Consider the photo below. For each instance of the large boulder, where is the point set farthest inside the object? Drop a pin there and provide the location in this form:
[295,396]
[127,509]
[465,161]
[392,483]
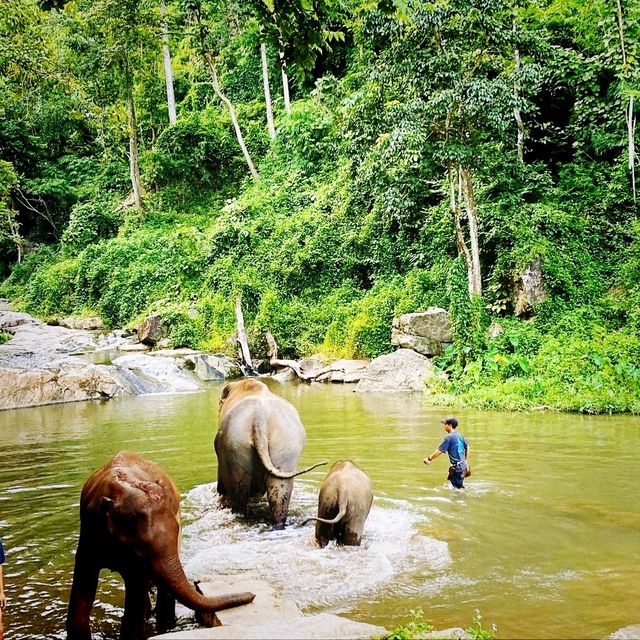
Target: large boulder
[37,339]
[214,366]
[342,371]
[149,374]
[64,380]
[402,370]
[426,332]
[152,330]
[529,290]
[11,320]
[86,324]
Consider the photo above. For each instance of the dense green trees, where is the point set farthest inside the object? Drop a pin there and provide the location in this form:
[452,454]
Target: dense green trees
[402,154]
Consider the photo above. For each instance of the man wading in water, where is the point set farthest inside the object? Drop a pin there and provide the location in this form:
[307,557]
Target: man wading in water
[458,449]
[3,600]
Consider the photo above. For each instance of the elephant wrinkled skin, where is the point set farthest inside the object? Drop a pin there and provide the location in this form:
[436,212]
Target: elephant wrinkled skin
[343,505]
[130,523]
[258,444]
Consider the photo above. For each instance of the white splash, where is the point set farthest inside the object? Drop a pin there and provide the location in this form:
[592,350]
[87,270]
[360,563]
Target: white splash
[215,541]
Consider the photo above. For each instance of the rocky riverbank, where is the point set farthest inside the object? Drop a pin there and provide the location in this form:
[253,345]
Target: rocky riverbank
[79,360]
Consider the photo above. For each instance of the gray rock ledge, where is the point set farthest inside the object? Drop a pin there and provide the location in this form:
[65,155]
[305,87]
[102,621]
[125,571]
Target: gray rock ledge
[269,616]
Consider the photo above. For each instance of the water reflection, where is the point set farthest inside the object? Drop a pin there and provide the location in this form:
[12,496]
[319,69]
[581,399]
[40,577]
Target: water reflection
[540,541]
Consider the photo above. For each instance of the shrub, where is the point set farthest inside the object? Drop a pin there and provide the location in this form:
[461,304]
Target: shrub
[52,288]
[90,222]
[199,149]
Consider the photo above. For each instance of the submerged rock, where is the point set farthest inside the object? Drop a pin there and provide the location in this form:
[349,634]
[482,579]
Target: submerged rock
[268,616]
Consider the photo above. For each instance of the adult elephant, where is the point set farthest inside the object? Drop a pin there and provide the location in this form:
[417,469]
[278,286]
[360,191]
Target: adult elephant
[258,444]
[343,505]
[130,523]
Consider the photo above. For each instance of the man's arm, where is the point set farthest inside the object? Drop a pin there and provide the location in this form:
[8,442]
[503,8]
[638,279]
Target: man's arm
[3,599]
[433,456]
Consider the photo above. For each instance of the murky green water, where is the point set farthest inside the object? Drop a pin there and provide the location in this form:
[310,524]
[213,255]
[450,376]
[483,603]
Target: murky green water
[544,541]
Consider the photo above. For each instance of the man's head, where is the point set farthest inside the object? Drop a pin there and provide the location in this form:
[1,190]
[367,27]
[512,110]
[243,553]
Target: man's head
[449,424]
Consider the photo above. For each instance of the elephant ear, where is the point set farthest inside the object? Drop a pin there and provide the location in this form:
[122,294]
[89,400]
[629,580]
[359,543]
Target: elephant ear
[225,393]
[106,509]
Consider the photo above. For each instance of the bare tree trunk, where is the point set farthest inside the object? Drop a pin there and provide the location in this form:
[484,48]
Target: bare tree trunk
[475,283]
[17,239]
[168,71]
[232,112]
[243,344]
[276,363]
[285,84]
[631,127]
[134,170]
[629,115]
[267,91]
[455,180]
[516,111]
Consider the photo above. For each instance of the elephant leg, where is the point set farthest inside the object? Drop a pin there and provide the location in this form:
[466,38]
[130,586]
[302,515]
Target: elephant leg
[324,533]
[220,486]
[353,532]
[136,602]
[279,494]
[165,610]
[83,594]
[234,484]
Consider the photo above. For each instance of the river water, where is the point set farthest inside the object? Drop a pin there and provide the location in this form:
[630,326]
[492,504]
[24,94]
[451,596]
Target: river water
[544,542]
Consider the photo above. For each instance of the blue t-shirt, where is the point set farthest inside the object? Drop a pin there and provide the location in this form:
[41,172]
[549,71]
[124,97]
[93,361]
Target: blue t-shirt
[1,553]
[455,445]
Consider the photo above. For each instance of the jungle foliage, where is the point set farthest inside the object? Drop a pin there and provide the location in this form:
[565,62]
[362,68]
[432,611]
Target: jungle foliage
[416,136]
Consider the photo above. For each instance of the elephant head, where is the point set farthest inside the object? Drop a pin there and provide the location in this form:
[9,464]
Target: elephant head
[130,523]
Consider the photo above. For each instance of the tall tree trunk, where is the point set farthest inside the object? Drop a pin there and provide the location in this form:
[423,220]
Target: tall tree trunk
[631,127]
[134,170]
[267,90]
[285,84]
[243,343]
[629,112]
[17,239]
[168,71]
[455,182]
[516,111]
[232,112]
[475,281]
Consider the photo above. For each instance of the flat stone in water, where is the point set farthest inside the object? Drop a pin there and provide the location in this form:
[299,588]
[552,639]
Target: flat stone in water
[269,616]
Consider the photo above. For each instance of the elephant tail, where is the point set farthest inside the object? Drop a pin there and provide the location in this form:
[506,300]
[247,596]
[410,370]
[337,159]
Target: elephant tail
[341,514]
[262,448]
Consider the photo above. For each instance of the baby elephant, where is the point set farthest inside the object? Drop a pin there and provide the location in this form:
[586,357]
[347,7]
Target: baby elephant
[343,505]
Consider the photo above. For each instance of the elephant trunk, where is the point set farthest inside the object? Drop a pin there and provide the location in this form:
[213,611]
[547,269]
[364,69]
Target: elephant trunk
[170,573]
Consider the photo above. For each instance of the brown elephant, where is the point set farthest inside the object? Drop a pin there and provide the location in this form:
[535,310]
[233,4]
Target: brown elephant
[130,523]
[343,505]
[258,444]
